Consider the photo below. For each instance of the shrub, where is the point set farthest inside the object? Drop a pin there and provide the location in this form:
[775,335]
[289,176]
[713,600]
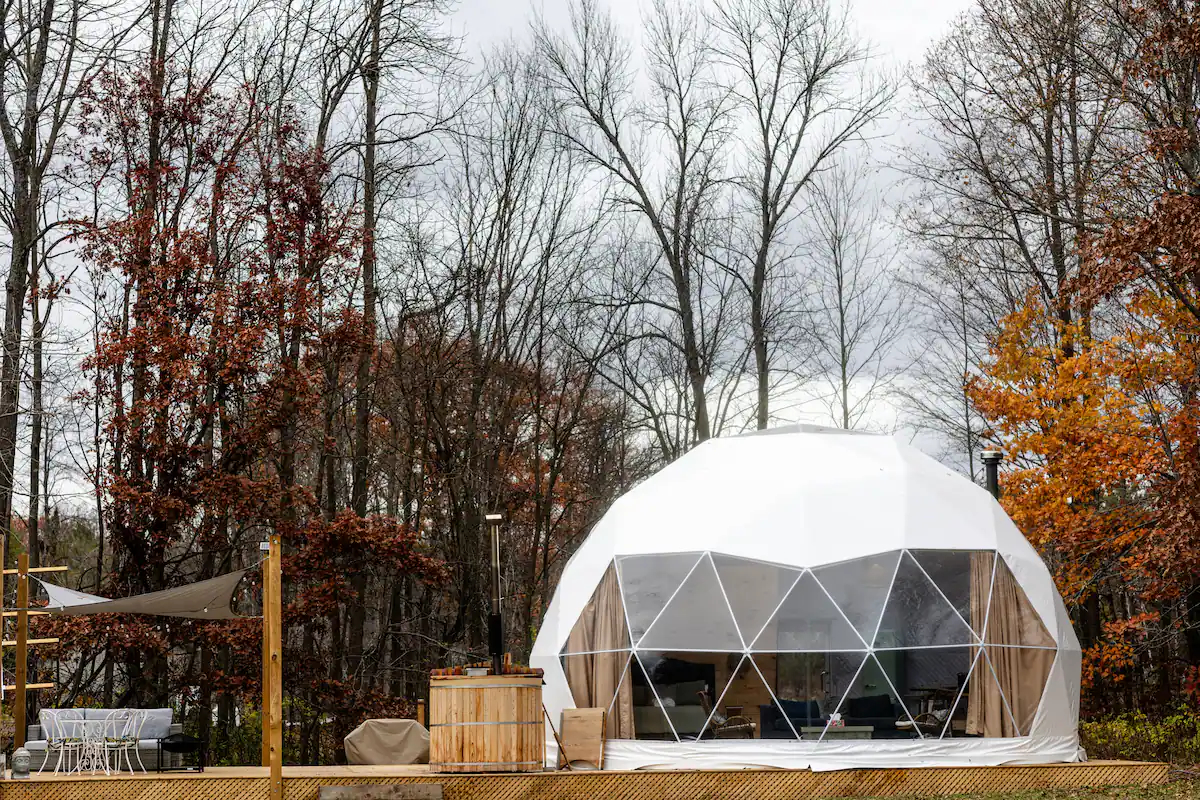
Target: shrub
[1174,738]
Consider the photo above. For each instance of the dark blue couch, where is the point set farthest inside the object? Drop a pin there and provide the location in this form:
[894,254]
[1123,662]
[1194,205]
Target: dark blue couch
[802,713]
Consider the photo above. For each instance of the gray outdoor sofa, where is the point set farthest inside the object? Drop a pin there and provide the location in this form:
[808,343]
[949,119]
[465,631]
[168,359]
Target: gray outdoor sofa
[159,724]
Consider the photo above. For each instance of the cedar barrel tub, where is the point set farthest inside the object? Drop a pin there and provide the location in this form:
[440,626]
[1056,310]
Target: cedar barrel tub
[488,723]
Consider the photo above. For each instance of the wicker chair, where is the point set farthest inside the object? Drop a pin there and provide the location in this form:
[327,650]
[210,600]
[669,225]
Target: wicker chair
[722,727]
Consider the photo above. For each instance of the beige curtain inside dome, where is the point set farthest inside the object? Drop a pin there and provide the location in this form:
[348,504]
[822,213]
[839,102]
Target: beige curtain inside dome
[1016,663]
[593,674]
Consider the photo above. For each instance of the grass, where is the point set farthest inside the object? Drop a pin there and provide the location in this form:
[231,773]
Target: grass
[1176,790]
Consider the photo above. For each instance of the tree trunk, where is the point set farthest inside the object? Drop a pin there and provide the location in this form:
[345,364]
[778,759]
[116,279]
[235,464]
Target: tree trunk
[758,332]
[10,363]
[362,398]
[35,437]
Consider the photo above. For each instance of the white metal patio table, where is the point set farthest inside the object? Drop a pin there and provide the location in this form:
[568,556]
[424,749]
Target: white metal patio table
[91,755]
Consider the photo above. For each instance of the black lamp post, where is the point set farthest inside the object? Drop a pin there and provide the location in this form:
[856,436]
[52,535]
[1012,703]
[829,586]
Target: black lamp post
[495,620]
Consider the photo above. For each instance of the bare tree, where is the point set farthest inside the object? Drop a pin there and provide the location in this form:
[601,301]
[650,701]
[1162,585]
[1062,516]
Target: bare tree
[859,309]
[804,91]
[662,158]
[48,53]
[1025,139]
[946,344]
[402,42]
[1022,141]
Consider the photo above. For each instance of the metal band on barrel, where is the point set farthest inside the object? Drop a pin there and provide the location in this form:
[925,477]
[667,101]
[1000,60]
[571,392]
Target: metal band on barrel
[495,722]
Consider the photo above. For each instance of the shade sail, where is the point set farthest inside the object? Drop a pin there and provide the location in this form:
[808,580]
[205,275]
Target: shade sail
[209,599]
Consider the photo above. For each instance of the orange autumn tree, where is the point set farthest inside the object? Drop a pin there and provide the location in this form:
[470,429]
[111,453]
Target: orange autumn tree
[1102,419]
[1097,420]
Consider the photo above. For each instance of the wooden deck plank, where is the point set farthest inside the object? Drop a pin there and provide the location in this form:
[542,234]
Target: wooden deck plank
[303,783]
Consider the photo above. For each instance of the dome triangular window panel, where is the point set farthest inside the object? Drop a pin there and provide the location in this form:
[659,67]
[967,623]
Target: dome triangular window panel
[754,590]
[620,711]
[930,679]
[918,615]
[741,689]
[955,723]
[648,582]
[669,693]
[871,697]
[1012,619]
[1022,674]
[808,620]
[620,683]
[860,588]
[964,577]
[696,618]
[808,687]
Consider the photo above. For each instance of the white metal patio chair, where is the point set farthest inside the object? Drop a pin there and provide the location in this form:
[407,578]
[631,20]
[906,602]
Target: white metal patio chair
[61,738]
[123,741]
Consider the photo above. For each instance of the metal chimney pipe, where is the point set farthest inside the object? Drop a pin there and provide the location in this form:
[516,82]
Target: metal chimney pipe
[495,619]
[991,471]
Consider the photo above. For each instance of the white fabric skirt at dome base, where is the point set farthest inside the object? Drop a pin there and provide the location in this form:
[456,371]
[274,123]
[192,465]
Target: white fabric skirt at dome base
[622,754]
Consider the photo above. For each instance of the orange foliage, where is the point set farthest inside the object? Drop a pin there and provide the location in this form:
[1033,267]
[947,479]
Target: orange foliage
[1099,420]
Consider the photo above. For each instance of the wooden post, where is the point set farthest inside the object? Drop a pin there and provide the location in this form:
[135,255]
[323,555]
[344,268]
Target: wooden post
[266,655]
[421,713]
[3,620]
[22,650]
[275,615]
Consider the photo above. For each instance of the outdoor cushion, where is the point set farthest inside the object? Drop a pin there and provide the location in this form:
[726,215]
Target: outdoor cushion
[102,714]
[158,724]
[801,709]
[47,716]
[36,744]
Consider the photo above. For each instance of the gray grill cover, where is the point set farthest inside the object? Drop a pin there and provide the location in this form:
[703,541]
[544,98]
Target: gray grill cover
[388,741]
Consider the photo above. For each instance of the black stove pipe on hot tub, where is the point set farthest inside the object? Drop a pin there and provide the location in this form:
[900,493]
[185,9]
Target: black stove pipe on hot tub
[495,618]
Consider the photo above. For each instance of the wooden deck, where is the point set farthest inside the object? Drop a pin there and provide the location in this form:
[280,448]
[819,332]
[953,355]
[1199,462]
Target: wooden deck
[303,783]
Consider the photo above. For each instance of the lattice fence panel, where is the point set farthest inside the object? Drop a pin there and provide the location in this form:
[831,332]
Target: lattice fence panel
[701,785]
[757,784]
[197,788]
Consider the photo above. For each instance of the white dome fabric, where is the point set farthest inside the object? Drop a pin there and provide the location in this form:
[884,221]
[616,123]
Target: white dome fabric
[825,566]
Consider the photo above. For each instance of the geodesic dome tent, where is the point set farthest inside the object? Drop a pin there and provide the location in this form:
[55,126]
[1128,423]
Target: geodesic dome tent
[811,598]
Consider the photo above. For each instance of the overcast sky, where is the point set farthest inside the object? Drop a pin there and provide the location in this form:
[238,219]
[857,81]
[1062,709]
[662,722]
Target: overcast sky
[901,29]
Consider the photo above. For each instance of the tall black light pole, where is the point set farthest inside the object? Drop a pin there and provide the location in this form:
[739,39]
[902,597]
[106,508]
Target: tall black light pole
[991,471]
[495,620]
